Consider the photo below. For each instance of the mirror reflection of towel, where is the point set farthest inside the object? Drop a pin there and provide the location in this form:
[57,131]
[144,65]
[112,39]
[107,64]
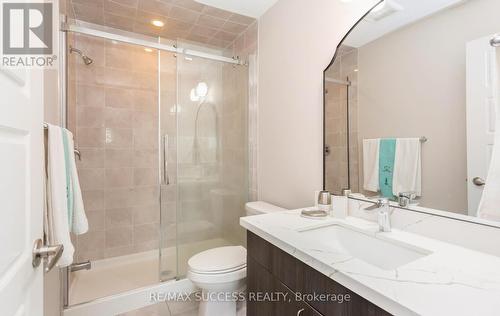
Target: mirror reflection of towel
[489,207]
[407,175]
[386,166]
[370,164]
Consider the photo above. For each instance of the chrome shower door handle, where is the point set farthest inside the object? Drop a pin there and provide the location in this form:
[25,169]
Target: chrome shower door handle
[166,178]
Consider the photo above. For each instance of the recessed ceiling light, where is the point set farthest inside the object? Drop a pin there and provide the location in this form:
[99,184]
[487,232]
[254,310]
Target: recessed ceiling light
[157,23]
[149,50]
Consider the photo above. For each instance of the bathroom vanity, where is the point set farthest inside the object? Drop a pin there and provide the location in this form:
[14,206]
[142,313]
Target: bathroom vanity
[272,270]
[365,272]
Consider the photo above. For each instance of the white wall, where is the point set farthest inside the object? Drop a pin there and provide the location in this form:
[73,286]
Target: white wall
[297,40]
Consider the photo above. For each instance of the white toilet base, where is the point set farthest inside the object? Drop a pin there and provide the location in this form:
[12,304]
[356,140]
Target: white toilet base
[219,308]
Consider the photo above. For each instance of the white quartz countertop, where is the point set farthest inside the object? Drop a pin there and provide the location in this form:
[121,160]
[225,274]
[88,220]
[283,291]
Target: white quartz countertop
[450,280]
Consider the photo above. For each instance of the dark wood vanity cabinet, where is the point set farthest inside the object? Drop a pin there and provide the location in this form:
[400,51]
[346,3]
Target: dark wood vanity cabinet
[280,285]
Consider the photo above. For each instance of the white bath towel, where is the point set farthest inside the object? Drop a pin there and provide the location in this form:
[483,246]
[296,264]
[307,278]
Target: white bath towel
[371,148]
[57,200]
[407,176]
[80,224]
[489,206]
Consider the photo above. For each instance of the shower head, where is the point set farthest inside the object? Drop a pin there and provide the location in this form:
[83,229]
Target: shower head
[86,59]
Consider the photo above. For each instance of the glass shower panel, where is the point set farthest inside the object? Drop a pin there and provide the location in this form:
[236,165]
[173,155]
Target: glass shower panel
[336,136]
[113,113]
[168,157]
[212,159]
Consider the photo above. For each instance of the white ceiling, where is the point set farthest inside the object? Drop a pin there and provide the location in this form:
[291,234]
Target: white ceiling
[252,8]
[413,10]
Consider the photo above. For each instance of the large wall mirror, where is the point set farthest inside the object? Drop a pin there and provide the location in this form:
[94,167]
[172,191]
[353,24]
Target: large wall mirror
[411,102]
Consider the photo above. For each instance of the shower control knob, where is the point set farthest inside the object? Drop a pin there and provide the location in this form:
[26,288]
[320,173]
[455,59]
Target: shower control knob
[479,181]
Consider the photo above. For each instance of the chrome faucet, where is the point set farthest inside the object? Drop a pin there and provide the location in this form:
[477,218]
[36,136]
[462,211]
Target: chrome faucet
[384,216]
[406,198]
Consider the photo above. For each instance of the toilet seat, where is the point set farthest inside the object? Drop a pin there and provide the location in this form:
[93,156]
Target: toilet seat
[217,278]
[219,260]
[218,265]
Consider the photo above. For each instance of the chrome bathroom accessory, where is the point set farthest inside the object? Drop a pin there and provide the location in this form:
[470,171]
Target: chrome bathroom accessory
[495,41]
[44,252]
[384,216]
[77,152]
[324,201]
[314,214]
[406,198]
[85,265]
[86,59]
[478,181]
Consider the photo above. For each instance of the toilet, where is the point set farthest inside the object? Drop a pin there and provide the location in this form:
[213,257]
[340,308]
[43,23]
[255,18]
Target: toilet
[223,270]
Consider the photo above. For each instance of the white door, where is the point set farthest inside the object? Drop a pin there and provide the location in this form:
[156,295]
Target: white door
[21,191]
[482,103]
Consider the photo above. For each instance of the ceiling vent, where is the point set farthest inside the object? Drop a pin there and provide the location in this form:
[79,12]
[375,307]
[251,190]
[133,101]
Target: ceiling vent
[384,10]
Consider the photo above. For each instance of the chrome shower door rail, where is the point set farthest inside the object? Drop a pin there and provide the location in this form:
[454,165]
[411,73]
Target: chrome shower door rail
[68,27]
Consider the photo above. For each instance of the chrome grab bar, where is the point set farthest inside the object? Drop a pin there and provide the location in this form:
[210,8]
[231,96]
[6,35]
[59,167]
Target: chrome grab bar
[44,252]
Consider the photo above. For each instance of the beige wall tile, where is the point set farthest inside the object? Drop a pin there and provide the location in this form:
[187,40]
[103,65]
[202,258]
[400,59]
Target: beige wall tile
[96,220]
[119,177]
[146,176]
[119,98]
[118,118]
[91,241]
[90,117]
[146,232]
[91,158]
[145,138]
[119,237]
[93,199]
[145,158]
[119,217]
[90,137]
[146,214]
[119,158]
[91,96]
[119,137]
[117,198]
[145,195]
[146,101]
[145,120]
[91,178]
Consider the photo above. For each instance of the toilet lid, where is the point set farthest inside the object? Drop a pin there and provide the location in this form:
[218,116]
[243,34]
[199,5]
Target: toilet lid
[219,260]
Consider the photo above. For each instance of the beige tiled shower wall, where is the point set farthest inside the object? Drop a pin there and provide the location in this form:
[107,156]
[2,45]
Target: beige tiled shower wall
[246,47]
[344,68]
[113,111]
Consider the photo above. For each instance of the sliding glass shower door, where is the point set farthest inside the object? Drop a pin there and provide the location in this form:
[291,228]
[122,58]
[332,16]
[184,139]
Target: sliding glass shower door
[164,165]
[113,112]
[208,159]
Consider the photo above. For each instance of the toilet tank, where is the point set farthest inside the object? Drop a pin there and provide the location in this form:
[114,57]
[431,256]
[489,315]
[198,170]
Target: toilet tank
[260,207]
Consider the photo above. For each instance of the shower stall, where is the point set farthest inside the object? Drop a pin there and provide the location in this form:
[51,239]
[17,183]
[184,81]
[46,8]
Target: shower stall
[162,131]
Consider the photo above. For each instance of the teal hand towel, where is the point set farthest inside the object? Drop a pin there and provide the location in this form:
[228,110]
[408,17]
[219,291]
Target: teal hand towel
[387,155]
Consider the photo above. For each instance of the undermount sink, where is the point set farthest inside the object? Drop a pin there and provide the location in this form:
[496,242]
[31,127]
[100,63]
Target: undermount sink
[366,247]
